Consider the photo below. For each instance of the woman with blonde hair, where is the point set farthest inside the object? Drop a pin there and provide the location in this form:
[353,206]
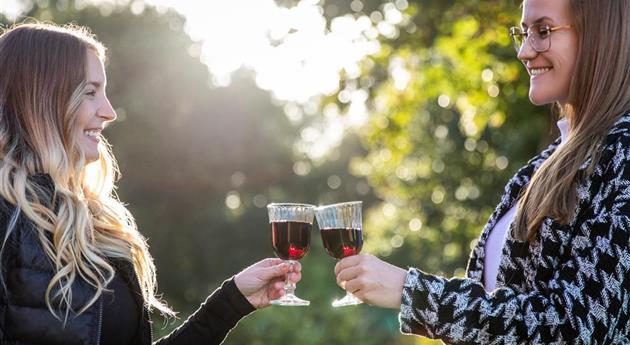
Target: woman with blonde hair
[74,268]
[552,265]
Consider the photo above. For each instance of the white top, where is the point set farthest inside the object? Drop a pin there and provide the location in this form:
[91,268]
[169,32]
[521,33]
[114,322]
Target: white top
[496,239]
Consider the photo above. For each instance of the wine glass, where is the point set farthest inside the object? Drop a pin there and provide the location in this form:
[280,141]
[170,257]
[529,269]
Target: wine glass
[340,227]
[291,226]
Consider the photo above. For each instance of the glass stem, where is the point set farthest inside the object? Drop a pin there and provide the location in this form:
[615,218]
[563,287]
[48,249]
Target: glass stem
[289,287]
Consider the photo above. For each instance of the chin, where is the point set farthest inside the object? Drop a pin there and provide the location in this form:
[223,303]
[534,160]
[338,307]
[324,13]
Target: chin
[90,153]
[91,157]
[537,102]
[538,98]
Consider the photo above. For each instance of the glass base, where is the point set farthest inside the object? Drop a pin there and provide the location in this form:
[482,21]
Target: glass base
[290,300]
[348,299]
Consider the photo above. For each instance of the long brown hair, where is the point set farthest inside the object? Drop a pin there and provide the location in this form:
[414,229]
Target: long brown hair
[599,94]
[42,84]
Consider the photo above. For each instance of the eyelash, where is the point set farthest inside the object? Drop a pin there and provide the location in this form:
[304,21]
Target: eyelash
[91,93]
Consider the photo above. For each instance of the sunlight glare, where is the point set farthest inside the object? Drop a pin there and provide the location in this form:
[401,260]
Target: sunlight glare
[291,50]
[11,8]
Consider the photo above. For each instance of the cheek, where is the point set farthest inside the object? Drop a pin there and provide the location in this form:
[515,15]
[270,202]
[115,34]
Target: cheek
[81,117]
[568,53]
[566,74]
[84,113]
[570,70]
[81,121]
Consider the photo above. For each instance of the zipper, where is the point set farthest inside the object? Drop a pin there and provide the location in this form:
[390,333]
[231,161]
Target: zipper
[150,325]
[100,320]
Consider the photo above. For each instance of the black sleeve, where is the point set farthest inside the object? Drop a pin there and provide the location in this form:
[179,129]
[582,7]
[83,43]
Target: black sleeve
[214,319]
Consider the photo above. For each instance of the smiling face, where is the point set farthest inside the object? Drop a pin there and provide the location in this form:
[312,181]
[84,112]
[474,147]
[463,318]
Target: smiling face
[95,111]
[550,71]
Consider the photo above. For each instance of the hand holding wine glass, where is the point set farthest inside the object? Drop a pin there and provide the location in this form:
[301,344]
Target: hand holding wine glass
[264,281]
[371,279]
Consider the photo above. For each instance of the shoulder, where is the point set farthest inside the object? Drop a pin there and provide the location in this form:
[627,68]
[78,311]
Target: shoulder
[44,188]
[610,175]
[615,151]
[19,237]
[6,211]
[618,137]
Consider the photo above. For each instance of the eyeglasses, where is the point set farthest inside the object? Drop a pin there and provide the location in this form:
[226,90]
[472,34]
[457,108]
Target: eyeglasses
[538,35]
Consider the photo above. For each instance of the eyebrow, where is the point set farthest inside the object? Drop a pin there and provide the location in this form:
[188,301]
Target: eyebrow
[96,84]
[539,20]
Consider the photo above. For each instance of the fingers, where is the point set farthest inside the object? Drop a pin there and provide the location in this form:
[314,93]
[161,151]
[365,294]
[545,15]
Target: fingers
[355,286]
[279,270]
[296,267]
[276,285]
[275,289]
[349,262]
[295,277]
[268,262]
[348,274]
[275,294]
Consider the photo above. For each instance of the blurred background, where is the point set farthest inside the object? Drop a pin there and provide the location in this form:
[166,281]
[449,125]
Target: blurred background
[418,108]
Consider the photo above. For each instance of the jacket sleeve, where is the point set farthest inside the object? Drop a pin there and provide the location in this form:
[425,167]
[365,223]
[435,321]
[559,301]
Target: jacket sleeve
[587,300]
[214,319]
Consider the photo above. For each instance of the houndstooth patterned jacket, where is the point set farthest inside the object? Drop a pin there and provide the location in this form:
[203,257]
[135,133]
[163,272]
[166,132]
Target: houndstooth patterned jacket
[571,285]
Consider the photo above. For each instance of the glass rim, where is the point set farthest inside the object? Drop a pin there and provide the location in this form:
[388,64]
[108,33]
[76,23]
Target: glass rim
[350,203]
[344,228]
[289,204]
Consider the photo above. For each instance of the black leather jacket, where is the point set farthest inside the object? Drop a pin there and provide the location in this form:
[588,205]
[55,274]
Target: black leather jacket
[25,318]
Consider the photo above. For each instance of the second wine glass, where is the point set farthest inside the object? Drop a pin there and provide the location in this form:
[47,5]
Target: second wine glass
[341,228]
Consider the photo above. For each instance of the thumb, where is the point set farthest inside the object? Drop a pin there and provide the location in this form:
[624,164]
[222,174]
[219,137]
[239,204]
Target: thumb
[268,273]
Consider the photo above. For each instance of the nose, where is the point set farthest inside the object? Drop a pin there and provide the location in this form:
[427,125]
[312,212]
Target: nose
[106,111]
[526,52]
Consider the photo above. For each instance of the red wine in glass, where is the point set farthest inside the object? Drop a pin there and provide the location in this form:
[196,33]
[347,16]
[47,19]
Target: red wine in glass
[342,242]
[291,225]
[341,228]
[291,240]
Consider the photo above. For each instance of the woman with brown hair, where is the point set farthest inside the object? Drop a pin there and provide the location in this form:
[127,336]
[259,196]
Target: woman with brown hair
[552,265]
[74,268]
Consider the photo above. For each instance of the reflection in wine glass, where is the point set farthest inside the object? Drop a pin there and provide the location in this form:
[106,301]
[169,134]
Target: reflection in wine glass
[291,226]
[340,227]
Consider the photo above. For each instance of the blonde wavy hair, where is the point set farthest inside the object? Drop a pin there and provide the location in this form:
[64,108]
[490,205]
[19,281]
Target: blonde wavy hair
[599,94]
[43,69]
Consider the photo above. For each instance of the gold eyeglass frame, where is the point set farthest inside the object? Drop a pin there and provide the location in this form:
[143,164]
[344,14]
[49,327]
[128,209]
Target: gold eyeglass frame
[528,35]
